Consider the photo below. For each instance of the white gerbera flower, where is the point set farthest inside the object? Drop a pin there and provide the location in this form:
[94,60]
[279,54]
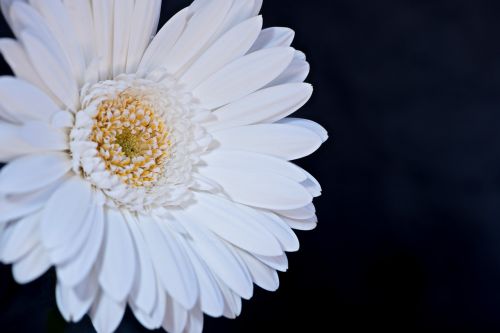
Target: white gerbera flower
[152,172]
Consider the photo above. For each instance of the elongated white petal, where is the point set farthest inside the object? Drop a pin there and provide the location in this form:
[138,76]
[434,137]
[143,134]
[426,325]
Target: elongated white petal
[80,14]
[201,27]
[273,37]
[13,145]
[24,101]
[18,206]
[71,250]
[239,12]
[144,292]
[143,24]
[153,319]
[243,76]
[175,317]
[302,224]
[33,172]
[305,212]
[31,266]
[106,313]
[54,71]
[233,223]
[195,321]
[58,21]
[214,253]
[266,105]
[64,212]
[263,276]
[258,189]
[170,261]
[75,271]
[103,28]
[44,137]
[279,263]
[244,161]
[296,72]
[229,47]
[211,300]
[308,124]
[75,302]
[119,265]
[23,239]
[280,140]
[257,6]
[15,55]
[124,13]
[162,44]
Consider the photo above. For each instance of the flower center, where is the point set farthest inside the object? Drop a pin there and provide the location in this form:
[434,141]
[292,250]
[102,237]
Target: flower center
[131,139]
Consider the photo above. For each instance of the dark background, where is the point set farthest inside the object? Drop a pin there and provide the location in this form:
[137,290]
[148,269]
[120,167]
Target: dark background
[409,233]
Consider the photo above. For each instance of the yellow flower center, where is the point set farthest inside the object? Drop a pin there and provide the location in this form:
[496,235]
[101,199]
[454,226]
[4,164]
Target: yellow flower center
[131,139]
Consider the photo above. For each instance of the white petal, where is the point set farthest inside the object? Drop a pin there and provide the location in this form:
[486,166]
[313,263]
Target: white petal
[106,313]
[54,71]
[31,266]
[211,300]
[33,172]
[12,144]
[144,23]
[58,21]
[280,140]
[308,124]
[170,261]
[118,267]
[144,291]
[71,250]
[199,30]
[124,14]
[273,37]
[279,229]
[263,276]
[103,14]
[233,223]
[259,189]
[279,263]
[257,7]
[266,105]
[304,224]
[253,162]
[76,270]
[175,317]
[64,212]
[154,319]
[17,206]
[74,303]
[215,253]
[24,101]
[44,137]
[297,71]
[80,14]
[232,305]
[239,12]
[17,58]
[24,238]
[305,212]
[243,76]
[195,321]
[162,44]
[232,45]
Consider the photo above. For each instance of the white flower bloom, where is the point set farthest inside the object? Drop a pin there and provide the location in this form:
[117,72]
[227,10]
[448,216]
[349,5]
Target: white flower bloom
[152,170]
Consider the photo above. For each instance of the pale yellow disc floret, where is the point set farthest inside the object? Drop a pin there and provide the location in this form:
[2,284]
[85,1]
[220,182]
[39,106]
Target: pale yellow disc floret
[131,139]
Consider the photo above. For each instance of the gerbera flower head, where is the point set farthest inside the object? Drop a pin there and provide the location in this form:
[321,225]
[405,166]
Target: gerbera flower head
[152,170]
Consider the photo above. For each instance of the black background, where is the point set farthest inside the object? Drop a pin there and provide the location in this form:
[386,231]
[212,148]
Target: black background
[409,233]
